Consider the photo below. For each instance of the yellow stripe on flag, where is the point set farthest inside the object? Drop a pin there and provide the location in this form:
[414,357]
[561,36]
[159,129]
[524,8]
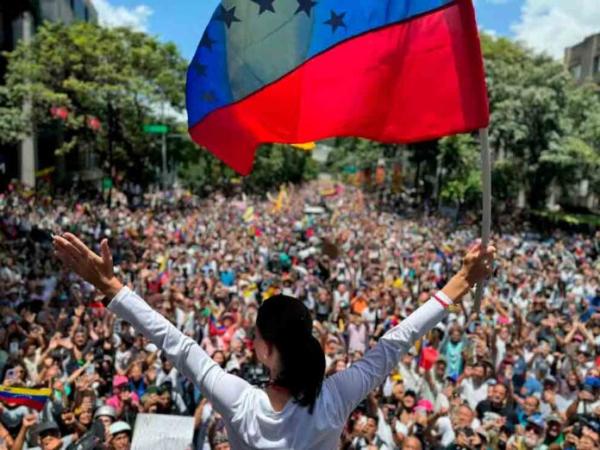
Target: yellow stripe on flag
[308,147]
[26,391]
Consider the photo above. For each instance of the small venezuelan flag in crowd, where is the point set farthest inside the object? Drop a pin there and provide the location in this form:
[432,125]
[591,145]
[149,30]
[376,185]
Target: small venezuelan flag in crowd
[32,398]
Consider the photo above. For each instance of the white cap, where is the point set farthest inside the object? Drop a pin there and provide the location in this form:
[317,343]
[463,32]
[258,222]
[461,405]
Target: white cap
[119,427]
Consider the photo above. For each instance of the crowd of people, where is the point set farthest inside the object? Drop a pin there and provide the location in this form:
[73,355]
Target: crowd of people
[521,373]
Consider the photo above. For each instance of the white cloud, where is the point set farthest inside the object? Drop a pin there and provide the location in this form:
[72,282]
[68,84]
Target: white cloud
[552,25]
[179,116]
[120,16]
[489,31]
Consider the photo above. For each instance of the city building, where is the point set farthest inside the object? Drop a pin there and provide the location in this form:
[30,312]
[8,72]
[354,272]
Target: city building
[18,21]
[583,59]
[67,11]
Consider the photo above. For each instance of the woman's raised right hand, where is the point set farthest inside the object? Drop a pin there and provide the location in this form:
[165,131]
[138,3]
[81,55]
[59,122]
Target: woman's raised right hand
[478,264]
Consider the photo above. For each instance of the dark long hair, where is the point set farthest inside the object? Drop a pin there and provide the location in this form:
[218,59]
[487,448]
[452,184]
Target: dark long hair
[286,323]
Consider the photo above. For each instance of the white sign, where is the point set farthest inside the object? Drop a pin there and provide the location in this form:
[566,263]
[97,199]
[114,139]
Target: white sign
[315,210]
[161,432]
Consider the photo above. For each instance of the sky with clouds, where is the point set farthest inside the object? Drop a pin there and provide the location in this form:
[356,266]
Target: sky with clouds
[545,25]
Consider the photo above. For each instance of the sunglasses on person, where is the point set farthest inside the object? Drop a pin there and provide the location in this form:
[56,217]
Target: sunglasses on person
[533,428]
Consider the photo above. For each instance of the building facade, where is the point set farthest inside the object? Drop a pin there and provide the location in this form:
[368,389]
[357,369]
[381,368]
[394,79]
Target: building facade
[15,13]
[18,21]
[583,59]
[67,11]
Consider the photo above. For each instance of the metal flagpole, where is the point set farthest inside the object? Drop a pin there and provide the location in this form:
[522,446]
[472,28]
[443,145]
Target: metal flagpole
[486,223]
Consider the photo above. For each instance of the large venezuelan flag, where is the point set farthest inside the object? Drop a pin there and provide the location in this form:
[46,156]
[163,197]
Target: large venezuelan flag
[32,398]
[292,71]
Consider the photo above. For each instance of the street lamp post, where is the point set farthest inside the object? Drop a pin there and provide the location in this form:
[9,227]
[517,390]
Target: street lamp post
[111,127]
[164,161]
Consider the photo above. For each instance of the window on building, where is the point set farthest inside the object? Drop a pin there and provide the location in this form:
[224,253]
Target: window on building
[576,71]
[72,5]
[80,11]
[596,67]
[2,31]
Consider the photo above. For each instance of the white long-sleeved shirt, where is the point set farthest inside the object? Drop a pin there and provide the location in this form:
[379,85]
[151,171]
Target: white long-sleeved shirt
[251,421]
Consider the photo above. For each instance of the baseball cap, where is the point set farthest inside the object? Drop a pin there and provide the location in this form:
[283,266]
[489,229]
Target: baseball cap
[536,420]
[46,427]
[120,380]
[453,378]
[552,418]
[592,382]
[425,405]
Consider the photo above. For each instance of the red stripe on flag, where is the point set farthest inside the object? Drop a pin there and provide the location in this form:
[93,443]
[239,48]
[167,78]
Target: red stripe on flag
[22,401]
[417,80]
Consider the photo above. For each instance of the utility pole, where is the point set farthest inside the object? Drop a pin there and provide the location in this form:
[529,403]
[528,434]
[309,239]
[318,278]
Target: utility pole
[163,130]
[164,161]
[110,151]
[164,148]
[27,153]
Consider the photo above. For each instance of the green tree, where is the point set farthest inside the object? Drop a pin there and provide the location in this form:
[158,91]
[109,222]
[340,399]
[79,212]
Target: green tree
[274,165]
[119,76]
[12,120]
[355,152]
[461,176]
[506,179]
[538,117]
[571,160]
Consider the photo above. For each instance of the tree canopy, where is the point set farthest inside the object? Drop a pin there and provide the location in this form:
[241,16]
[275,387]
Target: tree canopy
[91,81]
[543,124]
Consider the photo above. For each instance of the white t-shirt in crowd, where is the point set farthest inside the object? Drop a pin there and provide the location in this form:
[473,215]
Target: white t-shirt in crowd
[472,392]
[445,432]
